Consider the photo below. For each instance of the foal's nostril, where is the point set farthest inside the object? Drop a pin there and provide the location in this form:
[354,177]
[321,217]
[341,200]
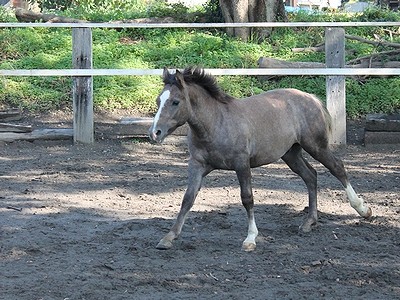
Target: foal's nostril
[158,133]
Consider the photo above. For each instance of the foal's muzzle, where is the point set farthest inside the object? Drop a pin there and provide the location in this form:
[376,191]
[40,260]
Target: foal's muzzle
[155,135]
[158,133]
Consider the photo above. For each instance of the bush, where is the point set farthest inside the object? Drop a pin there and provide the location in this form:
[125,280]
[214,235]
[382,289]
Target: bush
[6,15]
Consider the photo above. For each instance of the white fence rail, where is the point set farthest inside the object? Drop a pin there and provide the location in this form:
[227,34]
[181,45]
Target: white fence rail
[217,72]
[202,25]
[83,73]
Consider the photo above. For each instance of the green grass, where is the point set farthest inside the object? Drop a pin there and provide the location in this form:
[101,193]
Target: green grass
[50,48]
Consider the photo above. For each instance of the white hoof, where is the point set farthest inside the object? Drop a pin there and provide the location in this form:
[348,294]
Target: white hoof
[248,247]
[366,214]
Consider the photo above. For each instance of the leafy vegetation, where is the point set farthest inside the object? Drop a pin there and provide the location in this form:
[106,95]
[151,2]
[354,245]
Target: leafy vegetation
[50,48]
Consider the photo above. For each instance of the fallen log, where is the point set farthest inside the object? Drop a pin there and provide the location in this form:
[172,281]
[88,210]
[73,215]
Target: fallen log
[28,16]
[321,47]
[317,48]
[273,63]
[146,20]
[38,134]
[375,43]
[376,64]
[387,55]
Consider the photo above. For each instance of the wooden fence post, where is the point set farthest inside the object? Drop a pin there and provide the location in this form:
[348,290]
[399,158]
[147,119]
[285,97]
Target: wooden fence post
[335,85]
[82,86]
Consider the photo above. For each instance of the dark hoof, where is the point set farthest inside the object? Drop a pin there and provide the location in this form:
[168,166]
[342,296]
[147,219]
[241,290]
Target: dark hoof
[164,245]
[308,225]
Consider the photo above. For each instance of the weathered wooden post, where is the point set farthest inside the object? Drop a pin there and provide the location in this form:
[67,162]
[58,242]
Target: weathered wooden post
[335,85]
[82,86]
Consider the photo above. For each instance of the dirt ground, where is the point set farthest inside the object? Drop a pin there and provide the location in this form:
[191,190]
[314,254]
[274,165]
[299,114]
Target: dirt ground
[82,222]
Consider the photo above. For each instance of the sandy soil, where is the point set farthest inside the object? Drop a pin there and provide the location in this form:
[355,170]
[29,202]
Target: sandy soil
[82,222]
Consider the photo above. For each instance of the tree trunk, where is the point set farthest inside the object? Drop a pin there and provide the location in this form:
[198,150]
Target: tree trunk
[236,11]
[274,12]
[243,11]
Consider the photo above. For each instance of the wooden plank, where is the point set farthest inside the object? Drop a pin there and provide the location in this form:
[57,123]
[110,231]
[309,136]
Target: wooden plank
[7,127]
[383,122]
[10,115]
[136,121]
[381,138]
[217,72]
[38,134]
[129,126]
[82,86]
[335,85]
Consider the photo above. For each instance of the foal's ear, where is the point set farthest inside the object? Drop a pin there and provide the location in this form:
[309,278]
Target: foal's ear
[179,78]
[168,78]
[165,72]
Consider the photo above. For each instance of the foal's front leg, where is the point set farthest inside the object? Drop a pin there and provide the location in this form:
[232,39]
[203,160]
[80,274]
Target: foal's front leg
[196,175]
[246,194]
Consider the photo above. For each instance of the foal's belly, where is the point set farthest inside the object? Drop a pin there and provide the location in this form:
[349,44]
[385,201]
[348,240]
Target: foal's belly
[268,153]
[235,154]
[262,161]
[232,160]
[224,162]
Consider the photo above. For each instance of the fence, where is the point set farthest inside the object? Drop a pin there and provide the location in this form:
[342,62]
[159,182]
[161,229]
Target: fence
[83,72]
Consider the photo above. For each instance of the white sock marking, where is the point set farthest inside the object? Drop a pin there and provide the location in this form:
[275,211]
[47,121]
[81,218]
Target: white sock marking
[356,202]
[252,232]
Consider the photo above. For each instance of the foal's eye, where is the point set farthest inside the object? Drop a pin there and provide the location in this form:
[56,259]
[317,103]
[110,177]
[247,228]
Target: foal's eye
[175,103]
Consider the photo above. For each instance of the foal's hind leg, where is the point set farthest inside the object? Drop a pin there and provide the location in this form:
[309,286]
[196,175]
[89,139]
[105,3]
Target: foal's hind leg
[337,169]
[295,160]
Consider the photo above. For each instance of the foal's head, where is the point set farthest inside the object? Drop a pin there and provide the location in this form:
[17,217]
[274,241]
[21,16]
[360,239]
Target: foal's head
[174,102]
[172,107]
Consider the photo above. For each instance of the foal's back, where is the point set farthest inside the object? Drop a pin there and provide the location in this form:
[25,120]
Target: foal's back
[280,118]
[288,107]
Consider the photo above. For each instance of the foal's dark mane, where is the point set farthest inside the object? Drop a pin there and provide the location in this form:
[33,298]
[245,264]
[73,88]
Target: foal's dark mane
[196,75]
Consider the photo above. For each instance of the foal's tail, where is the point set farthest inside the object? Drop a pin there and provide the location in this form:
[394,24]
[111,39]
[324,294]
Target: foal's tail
[326,116]
[328,119]
[328,123]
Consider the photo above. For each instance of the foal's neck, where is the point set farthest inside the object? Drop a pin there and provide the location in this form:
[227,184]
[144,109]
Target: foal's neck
[206,113]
